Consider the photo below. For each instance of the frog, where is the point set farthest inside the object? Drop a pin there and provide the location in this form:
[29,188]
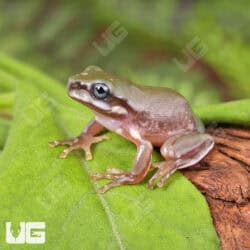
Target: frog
[148,116]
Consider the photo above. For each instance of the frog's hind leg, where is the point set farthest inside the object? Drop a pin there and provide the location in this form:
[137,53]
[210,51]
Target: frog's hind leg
[181,152]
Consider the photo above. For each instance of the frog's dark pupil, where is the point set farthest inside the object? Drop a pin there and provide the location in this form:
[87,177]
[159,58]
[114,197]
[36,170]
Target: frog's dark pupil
[100,90]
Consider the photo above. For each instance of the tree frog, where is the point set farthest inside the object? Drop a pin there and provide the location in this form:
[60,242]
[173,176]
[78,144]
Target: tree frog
[147,116]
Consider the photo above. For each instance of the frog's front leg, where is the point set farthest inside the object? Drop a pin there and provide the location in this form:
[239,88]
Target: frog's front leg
[181,152]
[139,170]
[83,141]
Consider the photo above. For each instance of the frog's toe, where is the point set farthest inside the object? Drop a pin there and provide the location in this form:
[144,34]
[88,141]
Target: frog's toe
[165,169]
[158,179]
[87,143]
[53,144]
[108,186]
[88,155]
[100,138]
[152,181]
[110,176]
[65,152]
[114,171]
[64,142]
[87,150]
[163,180]
[154,165]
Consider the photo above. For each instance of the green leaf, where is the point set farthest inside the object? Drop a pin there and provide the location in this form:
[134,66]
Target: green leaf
[235,112]
[6,99]
[4,129]
[7,81]
[37,186]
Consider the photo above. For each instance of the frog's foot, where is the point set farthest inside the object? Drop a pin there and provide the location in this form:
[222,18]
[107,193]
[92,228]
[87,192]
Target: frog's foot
[82,142]
[111,174]
[118,177]
[181,152]
[137,173]
[165,169]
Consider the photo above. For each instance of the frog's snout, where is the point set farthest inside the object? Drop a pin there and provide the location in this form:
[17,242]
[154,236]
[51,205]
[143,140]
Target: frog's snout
[74,85]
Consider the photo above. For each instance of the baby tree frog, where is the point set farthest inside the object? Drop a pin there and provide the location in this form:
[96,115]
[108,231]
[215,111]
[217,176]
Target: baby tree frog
[147,116]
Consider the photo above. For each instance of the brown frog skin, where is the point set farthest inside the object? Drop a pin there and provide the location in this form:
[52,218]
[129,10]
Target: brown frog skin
[146,116]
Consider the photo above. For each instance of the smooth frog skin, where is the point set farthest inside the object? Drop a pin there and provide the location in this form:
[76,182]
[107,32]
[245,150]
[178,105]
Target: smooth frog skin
[147,116]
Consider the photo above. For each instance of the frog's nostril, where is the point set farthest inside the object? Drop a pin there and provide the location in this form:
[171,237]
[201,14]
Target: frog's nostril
[74,84]
[78,83]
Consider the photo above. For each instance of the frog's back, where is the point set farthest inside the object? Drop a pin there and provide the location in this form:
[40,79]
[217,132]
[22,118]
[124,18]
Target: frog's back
[162,110]
[163,100]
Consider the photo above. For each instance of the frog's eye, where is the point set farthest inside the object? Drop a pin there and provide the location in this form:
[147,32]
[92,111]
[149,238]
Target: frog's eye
[100,90]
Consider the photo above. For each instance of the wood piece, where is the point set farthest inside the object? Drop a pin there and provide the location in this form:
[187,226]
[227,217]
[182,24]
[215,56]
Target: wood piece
[223,176]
